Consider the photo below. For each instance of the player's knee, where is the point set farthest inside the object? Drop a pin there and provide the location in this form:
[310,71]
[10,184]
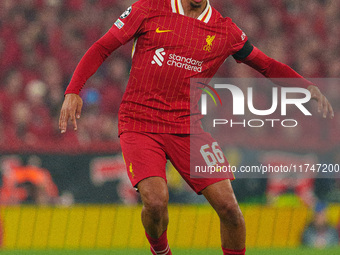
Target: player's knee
[156,207]
[230,213]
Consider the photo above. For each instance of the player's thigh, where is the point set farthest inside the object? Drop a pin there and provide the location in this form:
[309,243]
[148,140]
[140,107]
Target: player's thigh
[189,152]
[143,156]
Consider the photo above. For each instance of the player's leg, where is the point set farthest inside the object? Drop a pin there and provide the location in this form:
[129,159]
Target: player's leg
[145,161]
[233,231]
[155,218]
[155,197]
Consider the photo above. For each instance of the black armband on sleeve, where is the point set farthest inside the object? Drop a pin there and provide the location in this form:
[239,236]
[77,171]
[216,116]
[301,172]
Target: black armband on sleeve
[244,52]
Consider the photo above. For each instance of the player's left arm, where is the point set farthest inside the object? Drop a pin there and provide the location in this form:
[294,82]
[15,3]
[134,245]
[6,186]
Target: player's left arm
[273,69]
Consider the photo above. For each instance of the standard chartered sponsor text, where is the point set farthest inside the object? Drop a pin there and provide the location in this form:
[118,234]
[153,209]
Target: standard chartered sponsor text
[189,64]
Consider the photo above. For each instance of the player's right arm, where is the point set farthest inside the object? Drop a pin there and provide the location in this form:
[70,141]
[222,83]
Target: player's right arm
[88,65]
[128,26]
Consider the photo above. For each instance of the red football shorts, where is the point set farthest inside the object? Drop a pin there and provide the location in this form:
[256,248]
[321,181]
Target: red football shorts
[146,154]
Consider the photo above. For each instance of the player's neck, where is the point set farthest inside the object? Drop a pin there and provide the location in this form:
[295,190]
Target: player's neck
[193,8]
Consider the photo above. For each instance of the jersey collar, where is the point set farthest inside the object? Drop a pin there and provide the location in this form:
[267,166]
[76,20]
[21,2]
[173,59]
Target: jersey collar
[205,16]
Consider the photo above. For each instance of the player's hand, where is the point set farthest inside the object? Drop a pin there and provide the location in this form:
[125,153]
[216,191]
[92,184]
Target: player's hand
[71,109]
[324,106]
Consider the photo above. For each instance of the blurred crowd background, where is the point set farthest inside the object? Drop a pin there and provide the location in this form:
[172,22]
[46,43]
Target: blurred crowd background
[41,42]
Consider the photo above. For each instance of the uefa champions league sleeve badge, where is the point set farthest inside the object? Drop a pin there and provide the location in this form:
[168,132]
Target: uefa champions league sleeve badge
[126,13]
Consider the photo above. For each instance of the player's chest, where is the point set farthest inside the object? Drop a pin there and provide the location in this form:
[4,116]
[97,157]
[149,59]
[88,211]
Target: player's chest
[179,33]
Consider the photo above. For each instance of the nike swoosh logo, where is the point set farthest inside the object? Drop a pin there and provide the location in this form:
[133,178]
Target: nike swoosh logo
[158,31]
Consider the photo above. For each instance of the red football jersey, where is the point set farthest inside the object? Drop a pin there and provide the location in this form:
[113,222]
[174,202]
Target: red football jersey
[170,49]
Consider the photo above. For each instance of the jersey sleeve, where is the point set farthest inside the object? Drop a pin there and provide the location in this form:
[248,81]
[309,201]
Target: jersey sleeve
[240,47]
[130,23]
